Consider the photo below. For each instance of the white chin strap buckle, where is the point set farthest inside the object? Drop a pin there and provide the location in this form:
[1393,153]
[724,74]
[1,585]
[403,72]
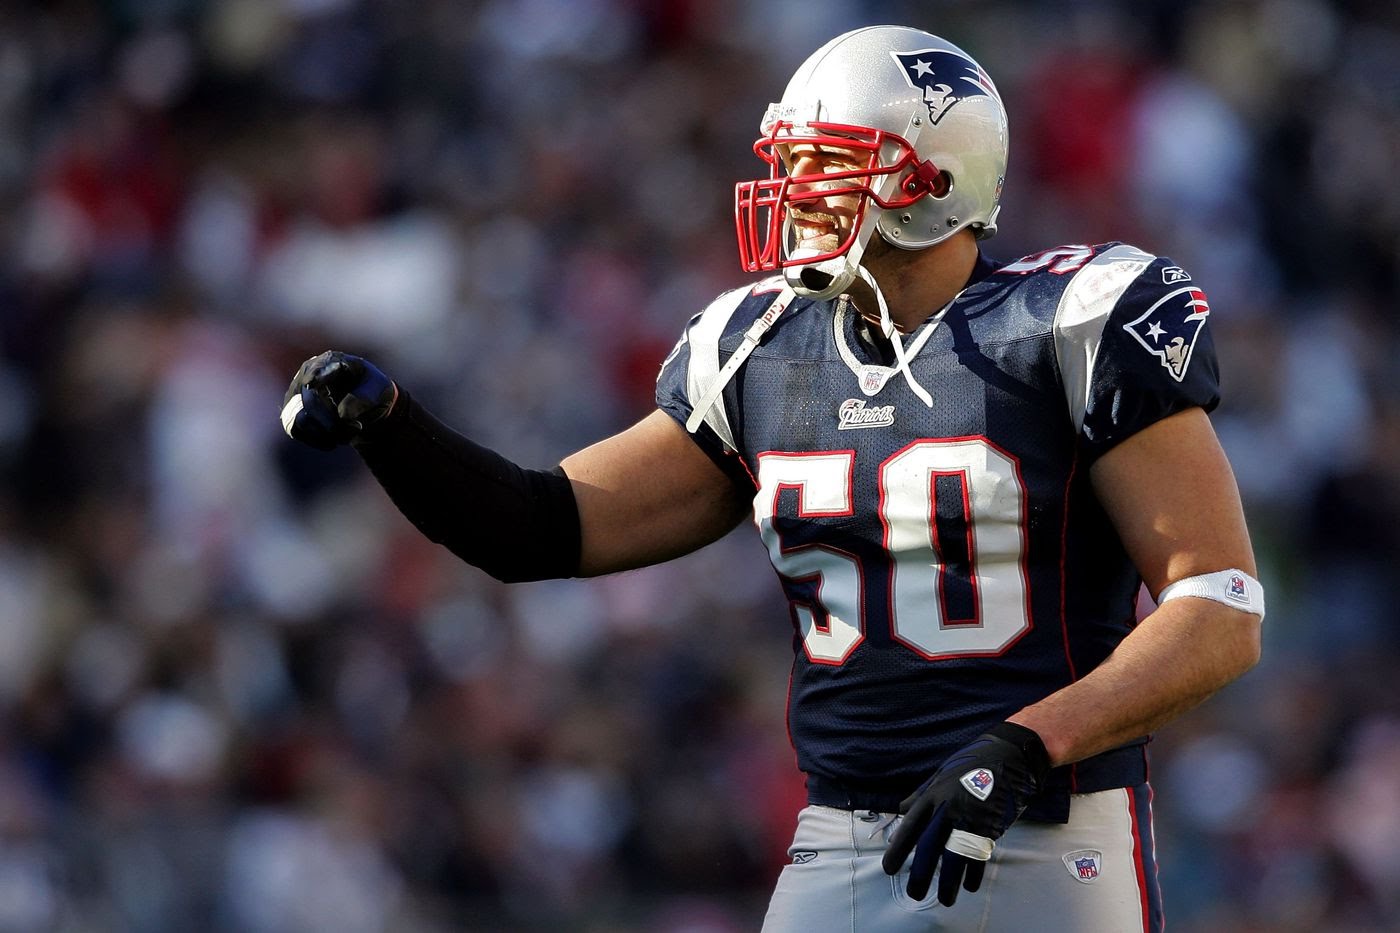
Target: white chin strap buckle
[819,280]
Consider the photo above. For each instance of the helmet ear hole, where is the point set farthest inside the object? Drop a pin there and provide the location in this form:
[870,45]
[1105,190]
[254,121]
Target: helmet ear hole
[942,185]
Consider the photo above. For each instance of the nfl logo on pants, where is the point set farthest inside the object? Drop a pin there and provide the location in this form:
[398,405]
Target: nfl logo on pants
[1084,864]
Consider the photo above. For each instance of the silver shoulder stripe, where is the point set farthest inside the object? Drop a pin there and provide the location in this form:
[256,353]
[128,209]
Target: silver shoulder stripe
[1083,312]
[705,361]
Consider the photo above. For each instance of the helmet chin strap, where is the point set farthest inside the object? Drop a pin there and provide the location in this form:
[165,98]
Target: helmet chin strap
[831,277]
[825,280]
[821,280]
[892,334]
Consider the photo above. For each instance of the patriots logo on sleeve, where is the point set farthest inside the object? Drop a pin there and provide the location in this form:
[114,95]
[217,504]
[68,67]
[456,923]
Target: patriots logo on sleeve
[945,78]
[1168,330]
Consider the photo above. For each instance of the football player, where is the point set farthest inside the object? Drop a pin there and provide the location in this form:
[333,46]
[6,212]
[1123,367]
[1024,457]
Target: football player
[963,472]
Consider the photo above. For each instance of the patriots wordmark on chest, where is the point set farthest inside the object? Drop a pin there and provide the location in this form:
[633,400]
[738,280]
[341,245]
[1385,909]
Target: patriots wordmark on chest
[855,413]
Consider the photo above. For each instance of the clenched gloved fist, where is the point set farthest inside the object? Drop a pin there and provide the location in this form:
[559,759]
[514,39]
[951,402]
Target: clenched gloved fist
[960,812]
[333,398]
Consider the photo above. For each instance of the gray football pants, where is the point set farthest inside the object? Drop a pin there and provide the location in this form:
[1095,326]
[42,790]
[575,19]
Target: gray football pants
[1095,874]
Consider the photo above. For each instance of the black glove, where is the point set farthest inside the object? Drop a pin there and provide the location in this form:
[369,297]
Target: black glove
[960,812]
[333,398]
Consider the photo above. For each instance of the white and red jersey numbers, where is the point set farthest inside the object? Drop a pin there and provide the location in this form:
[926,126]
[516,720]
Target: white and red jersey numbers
[831,624]
[954,517]
[1061,260]
[954,539]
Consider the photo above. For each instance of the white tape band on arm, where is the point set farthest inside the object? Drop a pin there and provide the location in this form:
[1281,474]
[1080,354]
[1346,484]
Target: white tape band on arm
[1231,587]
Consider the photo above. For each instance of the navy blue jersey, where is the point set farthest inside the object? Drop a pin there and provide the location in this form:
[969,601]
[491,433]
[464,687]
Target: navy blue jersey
[947,565]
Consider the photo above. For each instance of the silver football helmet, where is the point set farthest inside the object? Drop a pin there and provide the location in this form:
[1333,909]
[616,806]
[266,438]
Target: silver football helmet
[927,134]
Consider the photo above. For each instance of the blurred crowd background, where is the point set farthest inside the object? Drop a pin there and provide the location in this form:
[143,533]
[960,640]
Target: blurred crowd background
[237,690]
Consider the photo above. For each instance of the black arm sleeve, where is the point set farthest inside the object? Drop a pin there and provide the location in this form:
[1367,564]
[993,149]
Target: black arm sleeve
[513,523]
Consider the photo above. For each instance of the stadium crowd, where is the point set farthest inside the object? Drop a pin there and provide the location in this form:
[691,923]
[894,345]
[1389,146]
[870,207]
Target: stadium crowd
[239,692]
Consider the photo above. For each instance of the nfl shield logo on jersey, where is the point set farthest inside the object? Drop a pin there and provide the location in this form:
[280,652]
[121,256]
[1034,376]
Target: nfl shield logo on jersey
[873,378]
[1084,864]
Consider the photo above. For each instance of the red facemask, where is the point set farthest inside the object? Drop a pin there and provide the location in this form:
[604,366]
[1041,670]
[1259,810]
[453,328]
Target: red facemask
[761,207]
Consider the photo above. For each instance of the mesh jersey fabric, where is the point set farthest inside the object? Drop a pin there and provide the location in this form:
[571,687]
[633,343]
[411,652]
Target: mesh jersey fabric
[947,566]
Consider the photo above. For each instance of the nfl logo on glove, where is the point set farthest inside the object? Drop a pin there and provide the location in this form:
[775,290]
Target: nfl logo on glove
[978,783]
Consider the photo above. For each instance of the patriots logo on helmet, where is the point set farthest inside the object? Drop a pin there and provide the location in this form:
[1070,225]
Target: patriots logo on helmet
[945,78]
[1168,329]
